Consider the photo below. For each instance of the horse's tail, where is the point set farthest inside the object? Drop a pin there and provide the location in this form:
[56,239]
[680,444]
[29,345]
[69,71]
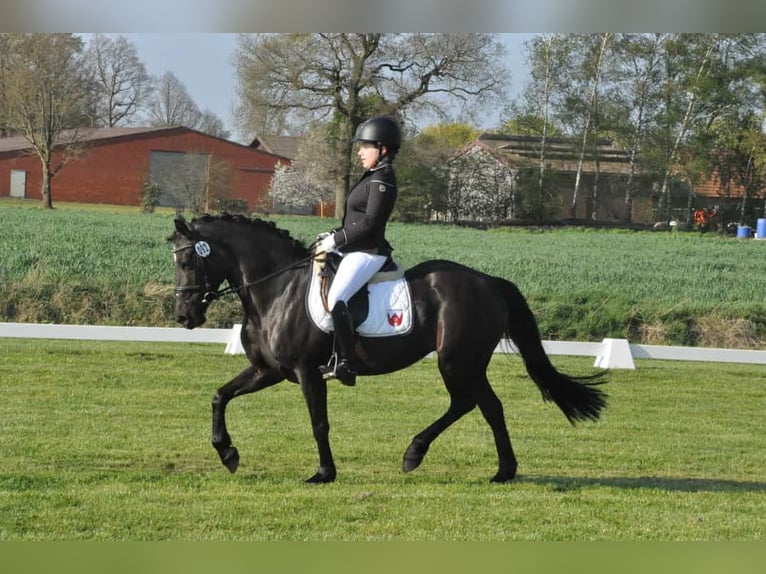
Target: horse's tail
[577,397]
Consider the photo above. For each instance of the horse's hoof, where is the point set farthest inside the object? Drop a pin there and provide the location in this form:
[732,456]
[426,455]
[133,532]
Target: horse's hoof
[413,456]
[504,476]
[230,459]
[322,477]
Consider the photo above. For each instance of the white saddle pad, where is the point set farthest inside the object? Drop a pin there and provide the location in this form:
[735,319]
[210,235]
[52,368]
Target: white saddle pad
[390,308]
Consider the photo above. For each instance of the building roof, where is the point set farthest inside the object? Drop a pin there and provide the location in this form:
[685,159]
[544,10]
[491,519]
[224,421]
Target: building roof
[20,143]
[285,146]
[561,153]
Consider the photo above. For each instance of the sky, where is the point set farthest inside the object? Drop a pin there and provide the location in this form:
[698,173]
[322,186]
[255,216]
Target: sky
[204,62]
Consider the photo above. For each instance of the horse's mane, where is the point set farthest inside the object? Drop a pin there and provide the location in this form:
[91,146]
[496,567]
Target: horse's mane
[254,222]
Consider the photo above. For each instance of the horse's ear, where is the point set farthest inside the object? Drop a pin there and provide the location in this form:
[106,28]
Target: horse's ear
[182,226]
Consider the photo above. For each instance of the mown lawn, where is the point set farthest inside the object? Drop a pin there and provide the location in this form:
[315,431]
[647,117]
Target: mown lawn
[110,441]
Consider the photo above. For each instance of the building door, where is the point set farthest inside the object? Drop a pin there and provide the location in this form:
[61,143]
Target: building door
[182,178]
[18,183]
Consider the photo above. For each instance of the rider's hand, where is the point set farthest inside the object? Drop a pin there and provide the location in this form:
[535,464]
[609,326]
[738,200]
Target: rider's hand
[326,243]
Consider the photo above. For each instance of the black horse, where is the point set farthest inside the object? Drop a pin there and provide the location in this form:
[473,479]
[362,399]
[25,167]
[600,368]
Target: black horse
[459,313]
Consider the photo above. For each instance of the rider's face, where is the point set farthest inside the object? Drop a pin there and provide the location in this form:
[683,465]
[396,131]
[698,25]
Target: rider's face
[368,154]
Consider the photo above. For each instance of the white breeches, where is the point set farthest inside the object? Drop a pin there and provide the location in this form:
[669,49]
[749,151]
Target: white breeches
[355,269]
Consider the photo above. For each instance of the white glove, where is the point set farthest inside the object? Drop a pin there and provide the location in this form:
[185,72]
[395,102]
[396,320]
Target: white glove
[326,243]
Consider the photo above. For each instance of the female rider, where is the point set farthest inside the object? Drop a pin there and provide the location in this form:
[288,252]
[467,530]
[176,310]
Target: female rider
[361,239]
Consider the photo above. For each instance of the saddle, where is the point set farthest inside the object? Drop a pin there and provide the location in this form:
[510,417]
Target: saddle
[382,308]
[359,304]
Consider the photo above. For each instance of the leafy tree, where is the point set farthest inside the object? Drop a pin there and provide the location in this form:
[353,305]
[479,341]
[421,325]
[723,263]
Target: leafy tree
[481,187]
[527,124]
[287,81]
[711,84]
[640,73]
[448,136]
[549,62]
[583,102]
[310,178]
[422,172]
[292,190]
[45,89]
[688,62]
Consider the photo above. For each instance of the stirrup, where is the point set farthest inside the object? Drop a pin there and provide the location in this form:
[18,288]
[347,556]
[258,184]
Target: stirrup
[340,370]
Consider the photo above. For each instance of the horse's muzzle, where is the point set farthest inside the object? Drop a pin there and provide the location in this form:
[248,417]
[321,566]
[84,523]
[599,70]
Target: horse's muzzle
[189,322]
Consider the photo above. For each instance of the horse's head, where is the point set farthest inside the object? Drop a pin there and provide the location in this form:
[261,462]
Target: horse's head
[200,268]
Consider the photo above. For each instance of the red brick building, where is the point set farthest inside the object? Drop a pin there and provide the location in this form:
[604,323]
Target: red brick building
[116,164]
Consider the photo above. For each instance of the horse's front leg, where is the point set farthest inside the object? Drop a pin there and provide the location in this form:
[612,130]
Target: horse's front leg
[315,392]
[248,381]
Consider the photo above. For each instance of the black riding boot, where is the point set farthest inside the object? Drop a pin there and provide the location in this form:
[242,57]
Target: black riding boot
[339,367]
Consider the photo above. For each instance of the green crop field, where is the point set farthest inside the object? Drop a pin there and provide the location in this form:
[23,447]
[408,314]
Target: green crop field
[112,266]
[110,441]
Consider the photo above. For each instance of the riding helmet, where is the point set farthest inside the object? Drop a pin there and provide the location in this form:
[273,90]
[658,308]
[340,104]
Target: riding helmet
[380,130]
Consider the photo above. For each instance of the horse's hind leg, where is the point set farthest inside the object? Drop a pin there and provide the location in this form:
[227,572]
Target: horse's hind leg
[248,381]
[467,388]
[492,409]
[461,402]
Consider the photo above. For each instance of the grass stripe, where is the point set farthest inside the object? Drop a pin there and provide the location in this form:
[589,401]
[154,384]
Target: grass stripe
[110,441]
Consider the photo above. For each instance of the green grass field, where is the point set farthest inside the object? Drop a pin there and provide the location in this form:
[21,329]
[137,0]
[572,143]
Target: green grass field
[102,265]
[110,441]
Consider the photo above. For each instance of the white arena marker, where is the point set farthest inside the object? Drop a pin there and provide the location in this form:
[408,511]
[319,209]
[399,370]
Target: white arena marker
[615,354]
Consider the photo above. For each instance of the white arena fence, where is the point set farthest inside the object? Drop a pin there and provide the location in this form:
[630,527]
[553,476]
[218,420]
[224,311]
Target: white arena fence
[609,353]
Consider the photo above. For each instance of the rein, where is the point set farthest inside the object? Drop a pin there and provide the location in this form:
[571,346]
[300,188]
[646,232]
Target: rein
[211,295]
[230,289]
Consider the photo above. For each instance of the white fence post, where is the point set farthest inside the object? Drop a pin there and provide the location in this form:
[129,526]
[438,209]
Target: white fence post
[234,346]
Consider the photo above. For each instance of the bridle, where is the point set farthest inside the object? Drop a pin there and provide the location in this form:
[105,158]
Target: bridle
[209,294]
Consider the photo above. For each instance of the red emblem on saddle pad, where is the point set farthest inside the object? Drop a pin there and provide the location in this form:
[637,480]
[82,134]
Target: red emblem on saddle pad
[394,319]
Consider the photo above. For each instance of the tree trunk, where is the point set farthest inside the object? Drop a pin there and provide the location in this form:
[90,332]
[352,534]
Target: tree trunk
[578,175]
[344,182]
[540,210]
[594,195]
[592,104]
[627,214]
[46,188]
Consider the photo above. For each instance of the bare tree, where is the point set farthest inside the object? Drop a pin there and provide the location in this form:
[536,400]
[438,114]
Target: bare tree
[211,124]
[171,105]
[121,83]
[288,80]
[45,90]
[5,60]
